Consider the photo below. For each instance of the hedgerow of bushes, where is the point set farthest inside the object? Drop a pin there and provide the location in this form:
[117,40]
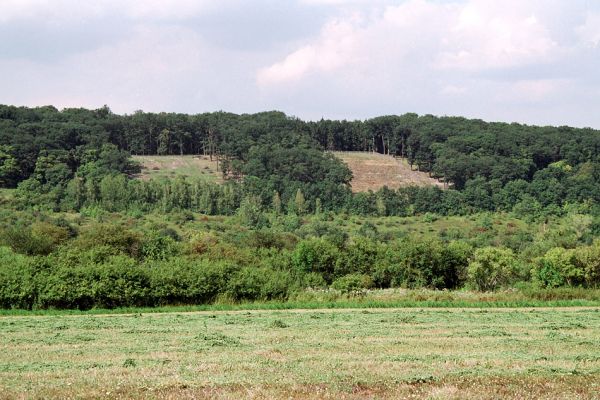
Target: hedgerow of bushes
[49,265]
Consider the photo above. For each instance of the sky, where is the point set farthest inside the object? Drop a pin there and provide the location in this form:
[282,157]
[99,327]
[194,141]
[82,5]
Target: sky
[528,61]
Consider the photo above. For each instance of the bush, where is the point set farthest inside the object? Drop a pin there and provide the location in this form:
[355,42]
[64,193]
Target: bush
[316,255]
[588,259]
[492,268]
[313,280]
[454,261]
[425,264]
[117,282]
[334,234]
[40,239]
[352,283]
[557,268]
[202,243]
[251,214]
[269,239]
[182,281]
[360,256]
[157,246]
[259,284]
[115,236]
[17,285]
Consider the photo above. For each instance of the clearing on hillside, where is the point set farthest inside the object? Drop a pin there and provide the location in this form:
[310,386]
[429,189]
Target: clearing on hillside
[193,166]
[372,171]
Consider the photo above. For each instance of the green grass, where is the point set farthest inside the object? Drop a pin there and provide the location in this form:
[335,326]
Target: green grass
[380,353]
[386,298]
[168,167]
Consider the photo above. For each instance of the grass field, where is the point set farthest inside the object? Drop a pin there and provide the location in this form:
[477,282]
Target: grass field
[372,171]
[173,166]
[551,353]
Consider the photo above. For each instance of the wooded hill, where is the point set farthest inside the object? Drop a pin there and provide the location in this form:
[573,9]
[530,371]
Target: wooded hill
[43,149]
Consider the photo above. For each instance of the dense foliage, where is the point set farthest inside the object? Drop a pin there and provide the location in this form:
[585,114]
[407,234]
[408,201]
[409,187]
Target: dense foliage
[78,230]
[112,260]
[55,154]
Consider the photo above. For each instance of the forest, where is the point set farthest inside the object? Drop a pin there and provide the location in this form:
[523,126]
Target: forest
[79,229]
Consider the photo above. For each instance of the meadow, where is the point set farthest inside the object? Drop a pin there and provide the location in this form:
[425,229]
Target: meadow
[169,167]
[433,353]
[425,258]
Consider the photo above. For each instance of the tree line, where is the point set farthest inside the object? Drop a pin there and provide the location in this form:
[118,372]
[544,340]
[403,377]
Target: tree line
[51,154]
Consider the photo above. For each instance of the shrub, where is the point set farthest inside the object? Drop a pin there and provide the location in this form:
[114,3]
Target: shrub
[333,233]
[492,268]
[588,259]
[557,268]
[429,217]
[202,243]
[368,230]
[251,214]
[258,284]
[156,246]
[313,280]
[17,285]
[188,281]
[360,256]
[455,260]
[269,239]
[316,255]
[115,236]
[40,239]
[352,283]
[117,282]
[426,264]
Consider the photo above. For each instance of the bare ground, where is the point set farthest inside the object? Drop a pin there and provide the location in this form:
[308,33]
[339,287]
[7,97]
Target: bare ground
[372,171]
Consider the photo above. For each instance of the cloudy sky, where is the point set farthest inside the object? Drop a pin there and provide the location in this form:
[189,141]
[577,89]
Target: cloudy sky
[532,61]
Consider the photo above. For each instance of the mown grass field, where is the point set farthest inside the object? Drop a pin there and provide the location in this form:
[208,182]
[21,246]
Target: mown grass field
[551,353]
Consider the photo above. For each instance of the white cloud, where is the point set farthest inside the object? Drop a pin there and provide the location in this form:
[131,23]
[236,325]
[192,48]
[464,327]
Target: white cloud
[453,90]
[531,91]
[589,32]
[150,69]
[340,2]
[481,58]
[73,10]
[336,48]
[488,34]
[528,60]
[476,35]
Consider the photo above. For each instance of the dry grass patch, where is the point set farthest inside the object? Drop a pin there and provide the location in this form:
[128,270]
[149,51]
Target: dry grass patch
[372,171]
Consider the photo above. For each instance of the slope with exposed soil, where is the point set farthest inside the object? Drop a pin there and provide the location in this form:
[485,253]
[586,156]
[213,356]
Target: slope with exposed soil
[372,171]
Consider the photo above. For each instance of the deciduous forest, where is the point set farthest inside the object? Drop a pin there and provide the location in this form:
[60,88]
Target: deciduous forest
[518,208]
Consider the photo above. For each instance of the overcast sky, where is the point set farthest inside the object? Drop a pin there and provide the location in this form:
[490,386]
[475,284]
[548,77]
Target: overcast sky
[531,61]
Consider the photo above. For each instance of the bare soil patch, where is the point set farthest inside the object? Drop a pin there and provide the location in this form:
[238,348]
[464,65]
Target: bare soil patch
[372,171]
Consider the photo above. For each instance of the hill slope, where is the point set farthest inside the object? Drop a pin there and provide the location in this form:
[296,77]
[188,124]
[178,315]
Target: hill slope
[173,166]
[372,171]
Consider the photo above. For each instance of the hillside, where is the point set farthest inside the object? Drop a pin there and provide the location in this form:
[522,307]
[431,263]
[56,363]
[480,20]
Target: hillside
[372,171]
[172,166]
